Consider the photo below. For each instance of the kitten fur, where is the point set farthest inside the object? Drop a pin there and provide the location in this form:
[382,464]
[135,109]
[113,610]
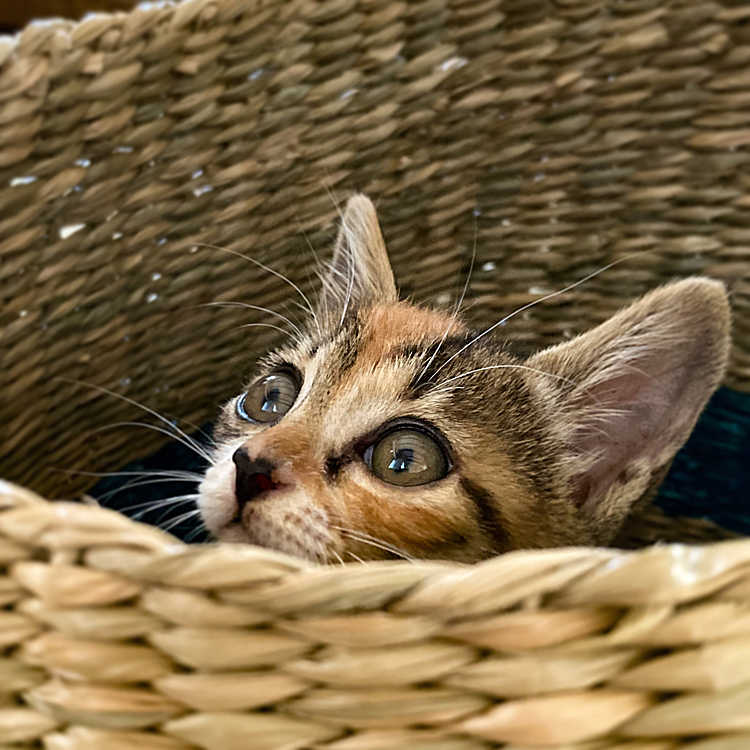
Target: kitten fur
[553,450]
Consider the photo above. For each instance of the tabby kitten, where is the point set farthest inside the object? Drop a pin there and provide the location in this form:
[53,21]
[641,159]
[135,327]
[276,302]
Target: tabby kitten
[394,430]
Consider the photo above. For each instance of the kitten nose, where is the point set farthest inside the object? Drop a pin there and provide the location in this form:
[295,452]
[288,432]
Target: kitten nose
[253,477]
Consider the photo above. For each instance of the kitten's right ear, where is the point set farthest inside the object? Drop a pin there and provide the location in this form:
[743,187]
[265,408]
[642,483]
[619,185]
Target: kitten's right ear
[360,273]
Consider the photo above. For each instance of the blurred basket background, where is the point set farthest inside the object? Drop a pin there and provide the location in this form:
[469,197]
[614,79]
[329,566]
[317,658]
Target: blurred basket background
[556,138]
[14,16]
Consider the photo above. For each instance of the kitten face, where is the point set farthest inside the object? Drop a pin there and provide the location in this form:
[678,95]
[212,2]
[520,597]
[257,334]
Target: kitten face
[360,384]
[392,430]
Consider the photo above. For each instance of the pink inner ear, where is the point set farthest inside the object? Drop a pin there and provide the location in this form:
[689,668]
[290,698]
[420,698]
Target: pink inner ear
[641,380]
[635,417]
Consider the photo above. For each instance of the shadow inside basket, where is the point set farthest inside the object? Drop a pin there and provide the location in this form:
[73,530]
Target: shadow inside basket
[706,486]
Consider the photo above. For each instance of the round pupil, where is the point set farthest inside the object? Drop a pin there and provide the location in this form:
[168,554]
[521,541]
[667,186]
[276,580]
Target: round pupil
[408,457]
[269,399]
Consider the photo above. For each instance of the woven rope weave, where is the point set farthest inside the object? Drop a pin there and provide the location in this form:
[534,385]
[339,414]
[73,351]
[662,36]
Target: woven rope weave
[555,138]
[558,138]
[116,628]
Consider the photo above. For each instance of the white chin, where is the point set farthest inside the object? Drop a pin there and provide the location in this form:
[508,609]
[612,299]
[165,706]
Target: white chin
[216,500]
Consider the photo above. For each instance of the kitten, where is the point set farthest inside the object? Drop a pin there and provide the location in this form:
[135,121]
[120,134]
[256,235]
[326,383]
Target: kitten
[395,431]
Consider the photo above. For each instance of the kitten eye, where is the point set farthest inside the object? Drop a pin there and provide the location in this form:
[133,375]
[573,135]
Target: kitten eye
[269,399]
[407,458]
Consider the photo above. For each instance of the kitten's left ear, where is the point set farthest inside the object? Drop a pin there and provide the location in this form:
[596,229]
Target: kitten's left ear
[633,390]
[360,273]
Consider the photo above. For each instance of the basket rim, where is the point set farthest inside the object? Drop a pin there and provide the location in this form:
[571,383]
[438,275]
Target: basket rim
[572,576]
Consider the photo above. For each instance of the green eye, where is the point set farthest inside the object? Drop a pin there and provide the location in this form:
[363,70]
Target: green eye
[269,399]
[407,457]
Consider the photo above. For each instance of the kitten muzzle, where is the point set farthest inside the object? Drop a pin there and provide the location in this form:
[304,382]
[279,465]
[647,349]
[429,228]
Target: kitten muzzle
[253,478]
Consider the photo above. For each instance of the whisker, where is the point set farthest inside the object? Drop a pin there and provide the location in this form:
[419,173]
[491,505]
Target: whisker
[200,431]
[538,301]
[377,545]
[338,557]
[471,266]
[298,304]
[504,367]
[350,275]
[458,305]
[319,265]
[155,505]
[364,538]
[195,447]
[335,202]
[133,483]
[349,290]
[177,475]
[266,325]
[190,441]
[199,529]
[329,287]
[180,519]
[246,306]
[268,270]
[355,557]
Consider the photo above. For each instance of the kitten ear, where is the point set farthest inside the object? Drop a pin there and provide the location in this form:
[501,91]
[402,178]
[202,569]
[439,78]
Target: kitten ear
[634,389]
[360,273]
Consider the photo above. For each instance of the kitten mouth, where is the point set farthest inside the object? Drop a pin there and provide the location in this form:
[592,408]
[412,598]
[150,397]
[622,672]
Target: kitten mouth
[252,488]
[255,485]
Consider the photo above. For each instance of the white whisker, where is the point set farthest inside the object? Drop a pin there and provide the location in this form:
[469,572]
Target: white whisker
[180,519]
[132,484]
[458,306]
[350,286]
[189,442]
[364,538]
[268,270]
[338,557]
[176,475]
[199,529]
[258,308]
[267,325]
[155,505]
[319,270]
[350,276]
[190,445]
[505,367]
[538,301]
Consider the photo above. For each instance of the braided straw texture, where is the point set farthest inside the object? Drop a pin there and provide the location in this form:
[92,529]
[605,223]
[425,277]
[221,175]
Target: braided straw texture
[119,637]
[136,150]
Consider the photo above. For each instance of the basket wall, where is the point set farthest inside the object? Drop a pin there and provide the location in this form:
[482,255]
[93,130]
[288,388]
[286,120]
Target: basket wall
[554,137]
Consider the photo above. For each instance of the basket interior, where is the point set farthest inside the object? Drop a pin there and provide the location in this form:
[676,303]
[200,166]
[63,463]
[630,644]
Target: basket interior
[139,153]
[144,150]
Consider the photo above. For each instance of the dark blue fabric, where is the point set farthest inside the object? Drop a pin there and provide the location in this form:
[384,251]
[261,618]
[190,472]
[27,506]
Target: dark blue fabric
[710,476]
[708,479]
[146,502]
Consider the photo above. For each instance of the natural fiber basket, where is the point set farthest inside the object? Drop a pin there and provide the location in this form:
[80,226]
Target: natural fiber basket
[556,138]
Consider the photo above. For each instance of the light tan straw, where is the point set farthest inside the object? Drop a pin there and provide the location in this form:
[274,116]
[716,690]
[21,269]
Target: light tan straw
[553,139]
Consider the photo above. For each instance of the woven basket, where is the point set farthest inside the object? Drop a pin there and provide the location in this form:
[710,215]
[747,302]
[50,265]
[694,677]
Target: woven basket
[556,138]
